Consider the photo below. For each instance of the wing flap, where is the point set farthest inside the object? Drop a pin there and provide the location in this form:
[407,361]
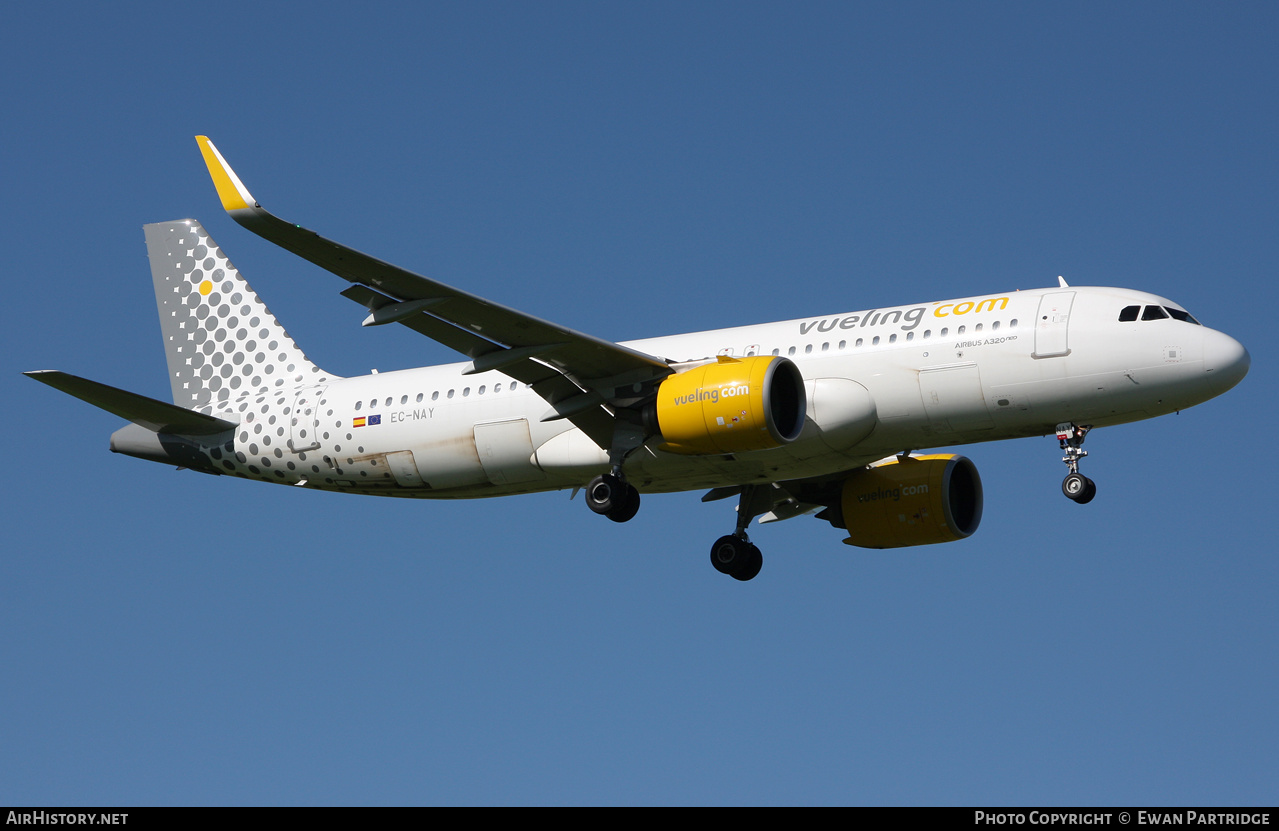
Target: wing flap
[552,385]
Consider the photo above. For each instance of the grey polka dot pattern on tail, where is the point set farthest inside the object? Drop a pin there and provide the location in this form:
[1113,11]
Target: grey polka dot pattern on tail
[206,309]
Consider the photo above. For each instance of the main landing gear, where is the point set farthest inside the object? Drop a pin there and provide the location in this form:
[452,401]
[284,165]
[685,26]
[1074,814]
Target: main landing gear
[734,554]
[609,493]
[612,496]
[1075,486]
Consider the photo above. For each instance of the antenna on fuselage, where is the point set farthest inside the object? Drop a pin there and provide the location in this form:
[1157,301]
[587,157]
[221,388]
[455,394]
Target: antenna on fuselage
[1061,281]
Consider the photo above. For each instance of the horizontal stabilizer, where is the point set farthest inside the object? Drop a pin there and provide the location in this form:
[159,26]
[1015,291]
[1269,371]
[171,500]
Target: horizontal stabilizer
[156,416]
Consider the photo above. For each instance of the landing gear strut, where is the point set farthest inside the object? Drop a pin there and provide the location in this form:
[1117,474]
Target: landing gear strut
[1075,486]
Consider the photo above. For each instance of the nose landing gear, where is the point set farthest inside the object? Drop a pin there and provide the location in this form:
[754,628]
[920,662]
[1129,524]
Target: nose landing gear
[1079,487]
[1075,486]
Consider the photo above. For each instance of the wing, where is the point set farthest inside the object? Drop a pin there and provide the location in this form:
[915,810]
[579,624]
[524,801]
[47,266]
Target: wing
[583,378]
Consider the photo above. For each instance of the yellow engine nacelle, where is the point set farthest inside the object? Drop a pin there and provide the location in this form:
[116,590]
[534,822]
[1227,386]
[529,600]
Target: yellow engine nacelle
[731,406]
[916,501]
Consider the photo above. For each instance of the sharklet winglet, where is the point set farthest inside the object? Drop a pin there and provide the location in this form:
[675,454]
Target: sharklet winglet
[234,195]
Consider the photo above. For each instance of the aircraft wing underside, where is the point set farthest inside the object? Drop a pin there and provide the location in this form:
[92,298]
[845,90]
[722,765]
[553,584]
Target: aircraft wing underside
[577,374]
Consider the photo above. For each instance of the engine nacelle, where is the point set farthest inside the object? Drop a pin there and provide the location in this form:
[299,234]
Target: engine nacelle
[731,406]
[917,501]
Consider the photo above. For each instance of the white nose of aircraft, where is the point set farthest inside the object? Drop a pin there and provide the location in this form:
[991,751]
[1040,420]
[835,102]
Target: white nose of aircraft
[1226,362]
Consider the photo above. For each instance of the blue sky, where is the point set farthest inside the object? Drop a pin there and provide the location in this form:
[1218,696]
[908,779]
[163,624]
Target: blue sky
[634,170]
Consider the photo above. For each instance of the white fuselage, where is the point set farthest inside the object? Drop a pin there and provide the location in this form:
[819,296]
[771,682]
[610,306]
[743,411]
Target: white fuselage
[977,369]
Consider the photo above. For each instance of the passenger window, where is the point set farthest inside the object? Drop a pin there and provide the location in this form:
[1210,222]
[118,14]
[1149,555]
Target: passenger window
[875,341]
[892,338]
[1129,314]
[1154,313]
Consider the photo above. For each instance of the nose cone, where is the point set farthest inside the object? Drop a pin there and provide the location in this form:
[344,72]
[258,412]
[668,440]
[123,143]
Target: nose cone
[1226,362]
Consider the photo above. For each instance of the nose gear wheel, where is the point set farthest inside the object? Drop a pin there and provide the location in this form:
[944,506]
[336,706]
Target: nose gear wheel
[1075,486]
[1079,487]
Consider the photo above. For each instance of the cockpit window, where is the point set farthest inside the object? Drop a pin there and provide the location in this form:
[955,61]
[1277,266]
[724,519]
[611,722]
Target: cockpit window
[1178,314]
[1130,313]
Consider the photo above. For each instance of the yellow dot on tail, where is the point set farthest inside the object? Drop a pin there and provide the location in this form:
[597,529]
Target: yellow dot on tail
[206,287]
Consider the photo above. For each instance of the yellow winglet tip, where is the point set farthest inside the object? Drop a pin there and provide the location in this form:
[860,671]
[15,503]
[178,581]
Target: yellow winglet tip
[232,192]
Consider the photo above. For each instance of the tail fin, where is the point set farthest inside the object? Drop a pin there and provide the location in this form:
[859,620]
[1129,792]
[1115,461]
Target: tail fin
[221,341]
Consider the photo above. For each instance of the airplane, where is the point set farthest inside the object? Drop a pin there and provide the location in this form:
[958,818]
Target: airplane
[819,416]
